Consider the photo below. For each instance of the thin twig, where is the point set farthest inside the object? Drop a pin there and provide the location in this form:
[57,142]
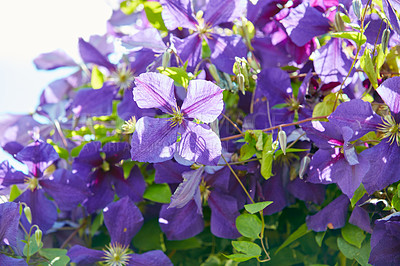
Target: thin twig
[230,121]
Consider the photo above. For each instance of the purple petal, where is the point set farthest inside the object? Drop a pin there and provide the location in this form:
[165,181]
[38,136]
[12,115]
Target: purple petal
[133,187]
[333,216]
[305,22]
[199,144]
[323,134]
[181,223]
[38,156]
[155,90]
[102,191]
[187,189]
[307,191]
[391,15]
[154,140]
[84,256]
[53,60]
[44,212]
[203,101]
[128,108]
[189,49]
[224,211]
[389,91]
[123,220]
[384,160]
[9,176]
[150,258]
[89,102]
[116,151]
[6,260]
[90,54]
[274,83]
[178,13]
[169,172]
[68,190]
[360,218]
[224,49]
[148,38]
[273,190]
[218,12]
[330,63]
[9,222]
[219,179]
[88,158]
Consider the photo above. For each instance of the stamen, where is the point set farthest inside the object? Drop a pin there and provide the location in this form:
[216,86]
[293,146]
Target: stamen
[123,77]
[32,183]
[116,255]
[177,117]
[390,129]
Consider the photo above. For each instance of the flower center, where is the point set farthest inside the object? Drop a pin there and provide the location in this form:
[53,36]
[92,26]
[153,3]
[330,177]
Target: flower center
[204,191]
[116,255]
[293,104]
[177,117]
[32,183]
[123,77]
[390,129]
[202,28]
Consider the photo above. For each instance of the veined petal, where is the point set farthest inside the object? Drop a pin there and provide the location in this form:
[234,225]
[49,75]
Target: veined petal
[84,256]
[178,13]
[187,189]
[199,144]
[90,54]
[53,60]
[150,258]
[155,90]
[169,172]
[9,222]
[116,151]
[221,11]
[203,101]
[189,49]
[389,91]
[154,140]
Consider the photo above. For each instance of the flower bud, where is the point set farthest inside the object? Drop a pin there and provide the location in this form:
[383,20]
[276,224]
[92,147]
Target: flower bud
[165,58]
[214,73]
[282,140]
[241,81]
[385,39]
[339,24]
[275,145]
[38,236]
[28,214]
[357,7]
[305,162]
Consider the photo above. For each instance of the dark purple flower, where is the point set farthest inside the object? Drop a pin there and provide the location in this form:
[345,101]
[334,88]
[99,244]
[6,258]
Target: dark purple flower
[9,222]
[155,139]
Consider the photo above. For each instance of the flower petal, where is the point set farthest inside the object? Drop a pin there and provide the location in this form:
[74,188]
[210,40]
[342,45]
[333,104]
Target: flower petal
[199,144]
[53,60]
[9,222]
[150,258]
[169,172]
[389,91]
[84,256]
[203,101]
[187,189]
[116,151]
[128,108]
[221,11]
[178,13]
[90,54]
[133,187]
[154,140]
[189,49]
[155,90]
[90,102]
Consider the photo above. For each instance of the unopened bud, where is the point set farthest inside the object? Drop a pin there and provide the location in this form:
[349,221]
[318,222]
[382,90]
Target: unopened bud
[28,214]
[38,236]
[305,162]
[165,58]
[282,140]
[241,81]
[357,7]
[385,39]
[214,73]
[339,24]
[275,145]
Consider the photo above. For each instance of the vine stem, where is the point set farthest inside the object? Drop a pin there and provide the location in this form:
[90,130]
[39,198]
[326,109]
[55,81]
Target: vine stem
[277,127]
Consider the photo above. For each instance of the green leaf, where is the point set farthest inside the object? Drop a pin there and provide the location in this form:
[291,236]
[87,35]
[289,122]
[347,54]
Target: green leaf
[158,193]
[98,221]
[368,67]
[129,6]
[358,37]
[247,247]
[380,60]
[153,13]
[14,192]
[326,106]
[178,74]
[256,207]
[240,257]
[279,152]
[395,199]
[246,152]
[249,225]
[190,243]
[97,78]
[205,50]
[33,247]
[301,231]
[149,236]
[361,255]
[267,158]
[57,257]
[319,237]
[353,234]
[358,194]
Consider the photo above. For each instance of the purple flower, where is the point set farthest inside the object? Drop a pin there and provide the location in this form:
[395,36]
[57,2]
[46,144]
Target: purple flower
[155,139]
[123,220]
[9,218]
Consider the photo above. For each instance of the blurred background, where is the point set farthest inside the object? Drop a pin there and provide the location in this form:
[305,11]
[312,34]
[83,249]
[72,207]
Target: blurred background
[29,28]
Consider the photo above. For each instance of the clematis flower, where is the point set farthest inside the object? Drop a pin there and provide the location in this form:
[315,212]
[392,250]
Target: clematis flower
[123,220]
[155,139]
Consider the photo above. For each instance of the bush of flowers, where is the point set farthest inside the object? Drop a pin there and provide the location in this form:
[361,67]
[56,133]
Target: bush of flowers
[213,133]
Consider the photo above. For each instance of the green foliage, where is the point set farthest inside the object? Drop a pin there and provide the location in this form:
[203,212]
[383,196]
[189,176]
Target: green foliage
[353,235]
[267,157]
[355,36]
[97,78]
[153,13]
[31,247]
[256,207]
[361,255]
[56,256]
[368,67]
[189,243]
[14,192]
[358,194]
[249,225]
[178,74]
[158,193]
[97,222]
[301,231]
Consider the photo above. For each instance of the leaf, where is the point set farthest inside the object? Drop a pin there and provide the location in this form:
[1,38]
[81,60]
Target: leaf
[129,6]
[158,193]
[368,67]
[57,257]
[148,238]
[190,243]
[301,231]
[256,207]
[326,106]
[267,158]
[14,192]
[240,257]
[98,221]
[33,247]
[396,199]
[279,152]
[319,237]
[247,247]
[246,152]
[351,252]
[249,225]
[179,75]
[358,194]
[358,37]
[97,78]
[153,13]
[353,235]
